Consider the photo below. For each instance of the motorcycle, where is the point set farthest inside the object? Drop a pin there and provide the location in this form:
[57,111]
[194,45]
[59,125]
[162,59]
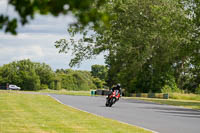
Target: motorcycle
[112,98]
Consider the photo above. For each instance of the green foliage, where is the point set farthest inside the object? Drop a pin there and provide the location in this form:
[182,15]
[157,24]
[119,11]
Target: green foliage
[56,84]
[45,73]
[36,76]
[197,90]
[30,81]
[170,85]
[44,87]
[52,85]
[146,42]
[26,74]
[99,83]
[166,89]
[76,80]
[99,71]
[85,11]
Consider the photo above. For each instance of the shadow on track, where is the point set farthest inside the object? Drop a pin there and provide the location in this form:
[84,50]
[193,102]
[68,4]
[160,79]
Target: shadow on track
[182,112]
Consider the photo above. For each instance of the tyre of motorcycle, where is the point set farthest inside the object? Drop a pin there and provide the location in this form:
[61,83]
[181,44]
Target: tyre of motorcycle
[107,102]
[112,101]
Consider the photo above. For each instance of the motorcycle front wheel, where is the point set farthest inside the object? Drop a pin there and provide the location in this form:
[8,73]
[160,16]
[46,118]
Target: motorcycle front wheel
[107,102]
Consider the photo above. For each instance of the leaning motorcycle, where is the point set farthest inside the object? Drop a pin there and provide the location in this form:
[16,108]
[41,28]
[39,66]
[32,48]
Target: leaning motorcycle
[112,98]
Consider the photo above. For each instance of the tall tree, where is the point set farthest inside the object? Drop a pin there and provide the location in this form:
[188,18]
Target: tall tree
[26,74]
[149,42]
[99,71]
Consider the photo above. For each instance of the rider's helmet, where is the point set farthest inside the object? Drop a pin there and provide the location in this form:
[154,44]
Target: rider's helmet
[118,85]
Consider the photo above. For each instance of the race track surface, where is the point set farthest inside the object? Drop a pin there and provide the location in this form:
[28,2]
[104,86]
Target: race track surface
[156,117]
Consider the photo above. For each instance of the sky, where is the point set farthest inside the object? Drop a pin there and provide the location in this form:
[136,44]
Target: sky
[36,40]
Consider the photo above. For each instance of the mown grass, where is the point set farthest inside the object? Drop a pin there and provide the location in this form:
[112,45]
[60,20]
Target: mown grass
[191,101]
[184,96]
[29,113]
[192,104]
[65,92]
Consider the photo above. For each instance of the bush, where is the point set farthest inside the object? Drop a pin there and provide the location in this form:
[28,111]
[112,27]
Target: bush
[197,90]
[26,74]
[99,83]
[168,89]
[74,81]
[44,87]
[170,85]
[57,85]
[52,85]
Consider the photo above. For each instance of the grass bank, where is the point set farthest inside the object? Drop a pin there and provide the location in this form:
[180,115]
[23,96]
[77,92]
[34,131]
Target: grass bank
[65,92]
[180,96]
[28,113]
[191,101]
[192,104]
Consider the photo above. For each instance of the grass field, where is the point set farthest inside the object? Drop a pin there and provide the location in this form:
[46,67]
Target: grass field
[180,96]
[192,104]
[82,93]
[29,113]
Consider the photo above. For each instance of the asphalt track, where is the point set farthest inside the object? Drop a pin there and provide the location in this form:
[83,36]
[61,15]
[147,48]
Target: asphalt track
[156,117]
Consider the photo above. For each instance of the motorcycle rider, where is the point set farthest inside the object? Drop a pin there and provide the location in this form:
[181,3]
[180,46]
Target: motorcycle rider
[117,87]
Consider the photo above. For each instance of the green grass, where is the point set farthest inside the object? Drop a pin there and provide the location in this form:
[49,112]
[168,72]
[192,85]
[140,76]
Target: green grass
[184,96]
[192,104]
[29,113]
[65,92]
[191,101]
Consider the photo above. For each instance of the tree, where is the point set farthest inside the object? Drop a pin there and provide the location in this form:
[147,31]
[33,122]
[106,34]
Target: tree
[75,79]
[99,83]
[30,81]
[146,42]
[26,74]
[99,71]
[45,73]
[85,11]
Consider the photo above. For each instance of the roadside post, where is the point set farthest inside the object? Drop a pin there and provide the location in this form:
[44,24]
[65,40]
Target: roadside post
[92,93]
[166,96]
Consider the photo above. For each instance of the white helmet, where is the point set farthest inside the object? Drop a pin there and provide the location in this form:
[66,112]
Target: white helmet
[118,85]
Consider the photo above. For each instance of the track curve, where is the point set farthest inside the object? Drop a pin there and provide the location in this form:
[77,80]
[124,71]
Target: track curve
[156,117]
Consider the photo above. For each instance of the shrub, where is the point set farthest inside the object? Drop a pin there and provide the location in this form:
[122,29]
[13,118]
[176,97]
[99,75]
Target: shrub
[44,87]
[168,89]
[99,83]
[197,90]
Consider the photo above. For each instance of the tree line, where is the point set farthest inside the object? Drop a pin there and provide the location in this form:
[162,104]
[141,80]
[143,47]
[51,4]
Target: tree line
[152,45]
[36,76]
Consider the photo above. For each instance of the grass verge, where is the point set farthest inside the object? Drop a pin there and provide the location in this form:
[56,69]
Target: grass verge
[65,92]
[180,96]
[192,104]
[28,113]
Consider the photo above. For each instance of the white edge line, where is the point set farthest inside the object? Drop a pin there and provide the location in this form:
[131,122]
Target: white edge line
[100,115]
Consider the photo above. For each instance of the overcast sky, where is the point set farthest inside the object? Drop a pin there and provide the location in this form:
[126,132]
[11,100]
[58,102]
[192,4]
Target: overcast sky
[36,41]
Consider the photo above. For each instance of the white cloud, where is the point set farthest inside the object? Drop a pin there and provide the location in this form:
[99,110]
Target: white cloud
[18,53]
[36,41]
[7,9]
[28,52]
[3,6]
[39,48]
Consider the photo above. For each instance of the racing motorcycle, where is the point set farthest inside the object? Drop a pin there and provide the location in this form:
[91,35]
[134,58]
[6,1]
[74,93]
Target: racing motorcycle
[112,98]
